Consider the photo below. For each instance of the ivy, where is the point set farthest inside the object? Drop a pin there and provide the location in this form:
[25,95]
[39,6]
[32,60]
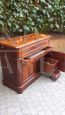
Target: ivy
[19,17]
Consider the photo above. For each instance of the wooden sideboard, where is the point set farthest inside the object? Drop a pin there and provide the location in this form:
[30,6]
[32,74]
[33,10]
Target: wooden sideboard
[20,59]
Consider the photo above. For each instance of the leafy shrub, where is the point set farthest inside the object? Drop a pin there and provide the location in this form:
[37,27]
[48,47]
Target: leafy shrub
[28,16]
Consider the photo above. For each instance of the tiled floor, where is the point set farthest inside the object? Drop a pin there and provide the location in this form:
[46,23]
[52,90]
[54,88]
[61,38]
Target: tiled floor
[43,97]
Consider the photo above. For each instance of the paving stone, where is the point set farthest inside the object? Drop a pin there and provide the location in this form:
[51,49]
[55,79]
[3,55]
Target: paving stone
[43,97]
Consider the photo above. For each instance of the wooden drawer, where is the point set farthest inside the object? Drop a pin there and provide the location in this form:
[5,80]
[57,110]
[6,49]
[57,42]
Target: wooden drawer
[34,47]
[58,56]
[40,53]
[50,65]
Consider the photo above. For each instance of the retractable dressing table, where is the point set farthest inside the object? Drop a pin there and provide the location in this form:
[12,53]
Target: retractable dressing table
[20,59]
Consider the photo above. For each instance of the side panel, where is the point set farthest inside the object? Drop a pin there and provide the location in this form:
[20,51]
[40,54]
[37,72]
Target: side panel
[10,70]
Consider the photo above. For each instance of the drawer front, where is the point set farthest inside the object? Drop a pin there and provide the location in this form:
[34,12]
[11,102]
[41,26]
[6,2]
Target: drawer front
[40,53]
[32,48]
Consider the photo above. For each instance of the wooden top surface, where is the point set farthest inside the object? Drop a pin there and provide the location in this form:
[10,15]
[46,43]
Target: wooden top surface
[23,40]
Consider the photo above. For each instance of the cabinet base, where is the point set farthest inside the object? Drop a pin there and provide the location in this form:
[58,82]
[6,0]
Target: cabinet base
[19,89]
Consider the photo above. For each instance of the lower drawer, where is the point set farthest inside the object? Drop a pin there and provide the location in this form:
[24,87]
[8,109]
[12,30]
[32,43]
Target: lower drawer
[50,65]
[58,56]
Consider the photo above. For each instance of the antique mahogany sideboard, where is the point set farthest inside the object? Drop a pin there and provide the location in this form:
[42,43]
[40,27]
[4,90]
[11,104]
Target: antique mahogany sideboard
[20,59]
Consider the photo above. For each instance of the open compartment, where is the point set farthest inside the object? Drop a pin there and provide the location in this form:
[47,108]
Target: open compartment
[58,56]
[50,65]
[31,63]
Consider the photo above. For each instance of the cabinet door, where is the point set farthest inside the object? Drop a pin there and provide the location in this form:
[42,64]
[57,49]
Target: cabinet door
[59,56]
[29,69]
[36,66]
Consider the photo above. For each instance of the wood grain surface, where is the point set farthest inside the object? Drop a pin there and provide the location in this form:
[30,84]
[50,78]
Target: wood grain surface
[58,42]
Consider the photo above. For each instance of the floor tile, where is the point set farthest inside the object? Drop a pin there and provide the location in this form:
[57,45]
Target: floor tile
[43,97]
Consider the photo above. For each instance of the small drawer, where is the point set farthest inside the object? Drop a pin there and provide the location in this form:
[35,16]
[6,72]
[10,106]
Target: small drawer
[58,56]
[39,54]
[50,65]
[29,50]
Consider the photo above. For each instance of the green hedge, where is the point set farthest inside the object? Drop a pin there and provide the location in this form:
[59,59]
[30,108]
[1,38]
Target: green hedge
[24,16]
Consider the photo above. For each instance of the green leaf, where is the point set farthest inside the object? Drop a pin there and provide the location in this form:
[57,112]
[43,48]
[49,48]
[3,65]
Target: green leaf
[40,20]
[1,23]
[51,19]
[1,3]
[30,21]
[9,24]
[26,28]
[21,14]
[42,1]
[56,1]
[57,25]
[15,14]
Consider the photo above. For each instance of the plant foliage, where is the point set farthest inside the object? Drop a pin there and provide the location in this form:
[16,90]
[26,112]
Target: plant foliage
[29,16]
